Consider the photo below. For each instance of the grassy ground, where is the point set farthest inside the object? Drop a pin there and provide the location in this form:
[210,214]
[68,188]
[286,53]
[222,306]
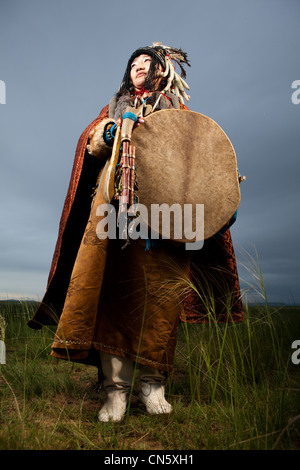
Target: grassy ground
[234,387]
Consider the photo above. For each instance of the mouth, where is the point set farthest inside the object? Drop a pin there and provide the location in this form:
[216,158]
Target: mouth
[141,74]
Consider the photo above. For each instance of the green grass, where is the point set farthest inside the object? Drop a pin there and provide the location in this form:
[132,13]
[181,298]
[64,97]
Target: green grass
[234,386]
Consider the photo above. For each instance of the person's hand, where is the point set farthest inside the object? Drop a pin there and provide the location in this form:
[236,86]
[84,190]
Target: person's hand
[136,124]
[139,122]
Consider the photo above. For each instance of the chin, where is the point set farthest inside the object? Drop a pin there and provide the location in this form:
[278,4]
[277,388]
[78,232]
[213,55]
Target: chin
[140,83]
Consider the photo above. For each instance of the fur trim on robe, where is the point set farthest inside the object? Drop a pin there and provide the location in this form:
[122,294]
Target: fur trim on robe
[96,144]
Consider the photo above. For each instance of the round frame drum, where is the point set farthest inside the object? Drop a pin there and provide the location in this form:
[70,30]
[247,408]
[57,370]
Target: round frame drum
[185,158]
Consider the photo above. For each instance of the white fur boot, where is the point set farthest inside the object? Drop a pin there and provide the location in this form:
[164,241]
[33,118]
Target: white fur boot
[118,374]
[153,391]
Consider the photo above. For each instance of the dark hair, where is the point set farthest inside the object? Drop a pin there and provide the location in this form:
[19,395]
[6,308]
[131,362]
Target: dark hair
[151,77]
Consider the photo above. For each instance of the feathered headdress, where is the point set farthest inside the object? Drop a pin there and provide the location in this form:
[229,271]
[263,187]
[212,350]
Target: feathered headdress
[175,83]
[166,55]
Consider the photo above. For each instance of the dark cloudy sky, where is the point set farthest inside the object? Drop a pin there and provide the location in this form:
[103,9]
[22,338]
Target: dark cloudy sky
[62,61]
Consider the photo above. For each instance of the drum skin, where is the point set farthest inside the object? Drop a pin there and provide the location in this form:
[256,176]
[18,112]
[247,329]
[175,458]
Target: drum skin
[184,157]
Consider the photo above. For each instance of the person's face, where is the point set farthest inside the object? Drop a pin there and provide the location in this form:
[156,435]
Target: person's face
[139,70]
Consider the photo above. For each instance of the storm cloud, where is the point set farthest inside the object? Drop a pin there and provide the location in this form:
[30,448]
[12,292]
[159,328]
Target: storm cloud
[61,62]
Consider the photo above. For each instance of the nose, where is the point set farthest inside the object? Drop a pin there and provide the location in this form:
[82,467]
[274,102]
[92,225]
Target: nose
[140,66]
